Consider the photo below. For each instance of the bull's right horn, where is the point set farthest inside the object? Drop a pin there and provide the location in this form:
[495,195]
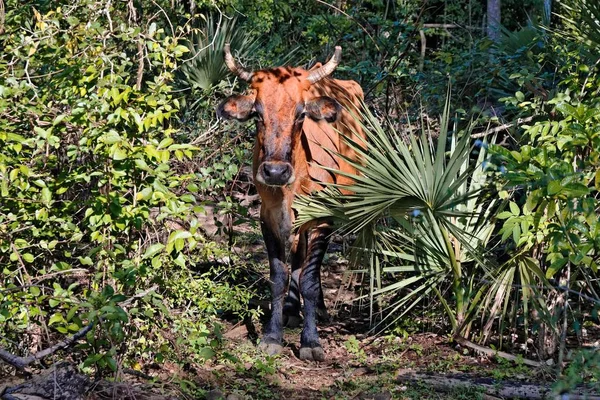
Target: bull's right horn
[236,67]
[328,68]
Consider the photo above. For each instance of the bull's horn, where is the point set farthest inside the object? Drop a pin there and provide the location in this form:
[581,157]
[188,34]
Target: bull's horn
[327,69]
[235,66]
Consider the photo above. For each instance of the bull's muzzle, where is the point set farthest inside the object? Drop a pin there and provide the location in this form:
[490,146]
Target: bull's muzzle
[275,173]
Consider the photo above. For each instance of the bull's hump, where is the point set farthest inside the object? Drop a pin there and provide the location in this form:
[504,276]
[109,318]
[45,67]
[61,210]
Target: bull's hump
[285,76]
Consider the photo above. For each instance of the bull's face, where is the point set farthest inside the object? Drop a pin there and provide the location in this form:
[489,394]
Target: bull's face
[279,100]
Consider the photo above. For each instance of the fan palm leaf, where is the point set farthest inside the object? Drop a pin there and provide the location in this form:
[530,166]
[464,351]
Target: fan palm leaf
[418,212]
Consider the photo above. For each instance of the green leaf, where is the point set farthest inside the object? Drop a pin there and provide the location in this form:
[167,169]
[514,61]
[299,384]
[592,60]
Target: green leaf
[206,353]
[56,317]
[46,196]
[180,260]
[118,152]
[179,234]
[555,267]
[85,261]
[152,250]
[112,363]
[554,187]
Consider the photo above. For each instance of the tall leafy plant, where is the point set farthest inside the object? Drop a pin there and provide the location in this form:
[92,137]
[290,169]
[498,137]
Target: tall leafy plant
[205,67]
[97,217]
[420,217]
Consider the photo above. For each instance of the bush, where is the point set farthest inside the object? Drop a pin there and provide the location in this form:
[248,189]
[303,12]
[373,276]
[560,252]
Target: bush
[98,217]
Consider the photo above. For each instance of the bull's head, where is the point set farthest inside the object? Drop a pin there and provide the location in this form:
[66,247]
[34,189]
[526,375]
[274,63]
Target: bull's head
[279,99]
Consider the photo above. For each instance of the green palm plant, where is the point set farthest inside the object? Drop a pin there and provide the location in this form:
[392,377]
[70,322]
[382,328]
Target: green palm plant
[581,19]
[205,66]
[420,216]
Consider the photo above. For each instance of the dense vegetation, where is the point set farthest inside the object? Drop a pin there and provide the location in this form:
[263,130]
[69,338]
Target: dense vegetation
[478,199]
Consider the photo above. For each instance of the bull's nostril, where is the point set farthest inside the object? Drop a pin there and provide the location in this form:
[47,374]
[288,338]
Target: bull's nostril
[276,173]
[266,171]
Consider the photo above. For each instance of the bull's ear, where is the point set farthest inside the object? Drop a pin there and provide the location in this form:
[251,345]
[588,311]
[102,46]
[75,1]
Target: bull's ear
[323,108]
[236,107]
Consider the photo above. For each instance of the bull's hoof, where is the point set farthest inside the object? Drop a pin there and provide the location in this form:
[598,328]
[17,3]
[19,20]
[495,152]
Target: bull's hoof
[312,353]
[292,321]
[270,346]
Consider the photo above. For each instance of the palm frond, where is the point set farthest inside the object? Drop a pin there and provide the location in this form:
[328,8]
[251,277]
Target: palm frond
[205,66]
[416,207]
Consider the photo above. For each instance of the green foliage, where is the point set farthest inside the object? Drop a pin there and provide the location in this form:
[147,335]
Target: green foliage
[420,218]
[584,368]
[581,21]
[97,221]
[205,66]
[353,347]
[552,182]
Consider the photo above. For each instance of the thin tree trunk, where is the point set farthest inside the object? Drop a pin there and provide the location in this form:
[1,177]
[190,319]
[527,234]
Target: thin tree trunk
[547,11]
[493,19]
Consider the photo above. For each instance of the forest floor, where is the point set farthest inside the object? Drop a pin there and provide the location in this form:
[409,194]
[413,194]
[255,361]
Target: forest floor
[359,364]
[413,360]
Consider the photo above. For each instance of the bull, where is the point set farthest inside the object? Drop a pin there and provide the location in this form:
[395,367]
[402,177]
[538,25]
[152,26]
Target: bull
[301,118]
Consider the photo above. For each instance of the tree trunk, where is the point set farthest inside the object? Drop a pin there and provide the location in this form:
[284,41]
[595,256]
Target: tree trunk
[547,11]
[493,19]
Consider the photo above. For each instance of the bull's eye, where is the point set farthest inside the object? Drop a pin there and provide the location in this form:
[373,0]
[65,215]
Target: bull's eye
[300,117]
[257,116]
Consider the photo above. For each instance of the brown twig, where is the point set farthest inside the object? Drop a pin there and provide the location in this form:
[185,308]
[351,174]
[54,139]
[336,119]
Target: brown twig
[491,352]
[139,295]
[22,362]
[140,71]
[501,128]
[2,16]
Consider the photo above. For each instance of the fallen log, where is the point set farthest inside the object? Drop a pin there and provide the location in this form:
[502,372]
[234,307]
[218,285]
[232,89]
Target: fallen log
[502,389]
[60,382]
[21,362]
[496,353]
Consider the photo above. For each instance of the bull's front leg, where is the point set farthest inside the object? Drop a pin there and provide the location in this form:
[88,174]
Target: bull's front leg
[291,309]
[310,287]
[272,339]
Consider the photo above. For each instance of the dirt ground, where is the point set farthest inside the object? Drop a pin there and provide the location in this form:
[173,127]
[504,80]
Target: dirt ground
[359,364]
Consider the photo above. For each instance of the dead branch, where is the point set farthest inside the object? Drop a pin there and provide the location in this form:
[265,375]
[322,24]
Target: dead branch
[140,71]
[423,49]
[22,362]
[491,352]
[501,128]
[139,295]
[59,382]
[2,16]
[443,26]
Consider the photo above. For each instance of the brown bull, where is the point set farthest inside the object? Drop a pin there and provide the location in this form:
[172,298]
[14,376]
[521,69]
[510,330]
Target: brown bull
[298,114]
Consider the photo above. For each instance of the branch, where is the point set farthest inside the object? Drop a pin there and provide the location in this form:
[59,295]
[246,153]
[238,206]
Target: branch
[2,16]
[501,127]
[497,353]
[444,26]
[22,362]
[140,71]
[139,295]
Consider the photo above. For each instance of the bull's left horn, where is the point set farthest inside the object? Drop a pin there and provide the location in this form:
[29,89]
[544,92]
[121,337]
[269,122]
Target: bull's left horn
[328,68]
[235,66]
